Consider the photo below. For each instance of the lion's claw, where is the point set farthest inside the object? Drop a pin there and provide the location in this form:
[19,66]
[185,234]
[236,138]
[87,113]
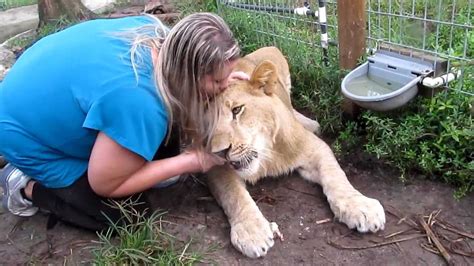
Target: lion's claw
[276,231]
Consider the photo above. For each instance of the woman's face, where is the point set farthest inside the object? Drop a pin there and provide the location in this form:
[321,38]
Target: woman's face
[217,82]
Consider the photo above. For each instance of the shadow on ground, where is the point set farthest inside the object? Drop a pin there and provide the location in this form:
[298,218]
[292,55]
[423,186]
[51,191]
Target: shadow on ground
[300,209]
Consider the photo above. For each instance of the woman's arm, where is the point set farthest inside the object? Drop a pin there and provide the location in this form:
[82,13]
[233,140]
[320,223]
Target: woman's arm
[116,172]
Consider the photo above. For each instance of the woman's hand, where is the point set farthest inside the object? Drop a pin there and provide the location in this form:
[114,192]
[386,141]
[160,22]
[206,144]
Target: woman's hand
[238,75]
[205,161]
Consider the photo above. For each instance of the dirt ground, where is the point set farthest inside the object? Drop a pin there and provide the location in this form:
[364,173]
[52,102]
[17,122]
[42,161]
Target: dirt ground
[311,235]
[296,205]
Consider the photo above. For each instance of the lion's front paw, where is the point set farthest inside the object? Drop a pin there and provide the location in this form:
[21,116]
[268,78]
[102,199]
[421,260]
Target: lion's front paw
[358,211]
[254,236]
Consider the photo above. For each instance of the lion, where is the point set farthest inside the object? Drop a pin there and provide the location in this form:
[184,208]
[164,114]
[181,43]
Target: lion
[260,134]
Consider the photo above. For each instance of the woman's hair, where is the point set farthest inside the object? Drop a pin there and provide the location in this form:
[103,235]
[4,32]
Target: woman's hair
[199,44]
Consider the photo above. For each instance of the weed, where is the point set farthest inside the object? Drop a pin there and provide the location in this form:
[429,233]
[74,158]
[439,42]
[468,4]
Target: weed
[140,239]
[435,136]
[347,139]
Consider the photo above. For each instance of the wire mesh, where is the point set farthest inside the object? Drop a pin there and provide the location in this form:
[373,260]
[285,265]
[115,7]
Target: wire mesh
[276,22]
[440,29]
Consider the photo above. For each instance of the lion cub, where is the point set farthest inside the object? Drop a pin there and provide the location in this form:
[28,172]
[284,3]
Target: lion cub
[260,134]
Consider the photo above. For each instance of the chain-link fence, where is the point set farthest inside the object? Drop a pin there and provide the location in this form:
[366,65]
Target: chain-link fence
[440,31]
[307,23]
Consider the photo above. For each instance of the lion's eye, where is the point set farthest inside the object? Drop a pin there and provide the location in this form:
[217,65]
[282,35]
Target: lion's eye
[237,110]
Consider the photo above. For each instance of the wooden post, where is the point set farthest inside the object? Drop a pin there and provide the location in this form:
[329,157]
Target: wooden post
[351,31]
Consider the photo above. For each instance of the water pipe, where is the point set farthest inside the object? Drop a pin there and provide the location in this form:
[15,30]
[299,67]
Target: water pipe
[441,80]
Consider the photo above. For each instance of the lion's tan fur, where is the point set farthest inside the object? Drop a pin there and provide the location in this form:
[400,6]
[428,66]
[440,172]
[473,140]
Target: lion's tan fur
[271,139]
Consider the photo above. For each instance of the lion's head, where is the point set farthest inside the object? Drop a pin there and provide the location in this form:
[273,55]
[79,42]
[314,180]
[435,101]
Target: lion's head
[252,115]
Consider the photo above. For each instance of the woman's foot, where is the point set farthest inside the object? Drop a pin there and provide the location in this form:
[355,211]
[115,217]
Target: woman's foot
[13,181]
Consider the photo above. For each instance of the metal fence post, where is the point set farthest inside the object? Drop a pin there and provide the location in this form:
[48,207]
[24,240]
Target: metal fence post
[351,31]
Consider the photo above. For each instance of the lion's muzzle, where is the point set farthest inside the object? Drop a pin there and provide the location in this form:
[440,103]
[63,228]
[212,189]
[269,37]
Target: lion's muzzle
[237,158]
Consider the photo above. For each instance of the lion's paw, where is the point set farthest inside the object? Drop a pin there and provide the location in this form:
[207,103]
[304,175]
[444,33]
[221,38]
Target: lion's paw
[358,211]
[254,236]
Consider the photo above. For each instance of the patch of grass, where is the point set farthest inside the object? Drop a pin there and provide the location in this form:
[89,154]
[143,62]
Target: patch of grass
[191,6]
[140,240]
[24,42]
[7,4]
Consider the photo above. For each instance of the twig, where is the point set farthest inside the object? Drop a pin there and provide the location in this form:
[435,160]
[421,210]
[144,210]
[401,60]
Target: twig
[327,220]
[401,219]
[454,247]
[436,241]
[454,230]
[302,192]
[462,253]
[432,217]
[266,199]
[332,243]
[430,248]
[397,233]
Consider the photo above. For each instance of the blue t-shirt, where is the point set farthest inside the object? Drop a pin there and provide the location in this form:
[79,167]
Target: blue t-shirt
[69,86]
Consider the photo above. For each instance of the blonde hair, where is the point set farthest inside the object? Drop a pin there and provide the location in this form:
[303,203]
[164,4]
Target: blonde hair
[199,44]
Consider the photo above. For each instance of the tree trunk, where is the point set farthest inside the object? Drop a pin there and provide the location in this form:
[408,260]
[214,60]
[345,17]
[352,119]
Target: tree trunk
[51,10]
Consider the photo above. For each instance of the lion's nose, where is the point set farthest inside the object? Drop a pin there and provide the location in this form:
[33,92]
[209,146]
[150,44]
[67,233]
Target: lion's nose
[223,153]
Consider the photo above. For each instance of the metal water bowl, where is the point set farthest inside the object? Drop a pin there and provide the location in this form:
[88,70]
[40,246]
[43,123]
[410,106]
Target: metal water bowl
[385,82]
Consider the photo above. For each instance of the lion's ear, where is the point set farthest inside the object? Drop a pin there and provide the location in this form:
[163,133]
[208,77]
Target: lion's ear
[264,77]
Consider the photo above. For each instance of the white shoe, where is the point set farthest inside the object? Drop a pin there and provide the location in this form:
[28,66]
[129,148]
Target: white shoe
[12,181]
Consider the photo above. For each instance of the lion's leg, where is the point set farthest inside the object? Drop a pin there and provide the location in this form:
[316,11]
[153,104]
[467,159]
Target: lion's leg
[308,123]
[347,203]
[251,233]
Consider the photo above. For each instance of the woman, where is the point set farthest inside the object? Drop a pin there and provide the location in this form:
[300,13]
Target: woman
[95,111]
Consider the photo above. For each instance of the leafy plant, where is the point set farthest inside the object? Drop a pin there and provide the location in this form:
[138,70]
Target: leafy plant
[435,137]
[347,139]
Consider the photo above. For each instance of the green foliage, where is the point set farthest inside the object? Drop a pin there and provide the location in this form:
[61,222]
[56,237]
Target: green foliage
[435,136]
[192,6]
[140,241]
[45,30]
[347,139]
[7,4]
